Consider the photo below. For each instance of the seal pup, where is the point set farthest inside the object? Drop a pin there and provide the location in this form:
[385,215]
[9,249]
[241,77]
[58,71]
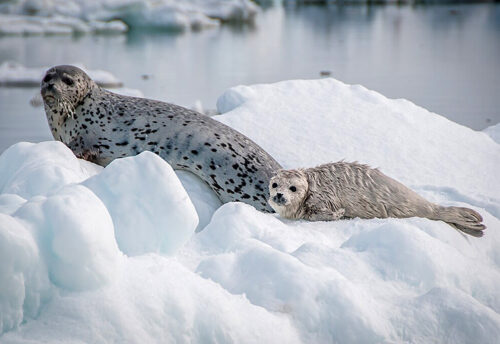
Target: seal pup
[100,126]
[347,190]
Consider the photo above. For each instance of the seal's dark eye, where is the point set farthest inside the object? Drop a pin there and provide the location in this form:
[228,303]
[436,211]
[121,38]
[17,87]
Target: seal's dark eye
[68,81]
[274,185]
[47,78]
[293,188]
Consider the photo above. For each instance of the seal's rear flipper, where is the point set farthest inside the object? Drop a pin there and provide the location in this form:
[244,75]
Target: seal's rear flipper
[463,219]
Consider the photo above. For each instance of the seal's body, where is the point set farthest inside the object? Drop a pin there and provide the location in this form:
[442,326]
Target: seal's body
[100,126]
[336,190]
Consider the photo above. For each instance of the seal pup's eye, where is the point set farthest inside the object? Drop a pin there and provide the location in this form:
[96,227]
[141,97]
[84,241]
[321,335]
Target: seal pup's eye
[68,81]
[274,186]
[47,78]
[293,188]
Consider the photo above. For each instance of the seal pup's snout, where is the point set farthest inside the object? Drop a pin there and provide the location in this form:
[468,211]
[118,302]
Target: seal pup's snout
[279,198]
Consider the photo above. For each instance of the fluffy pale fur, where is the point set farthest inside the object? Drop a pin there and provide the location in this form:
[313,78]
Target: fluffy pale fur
[332,191]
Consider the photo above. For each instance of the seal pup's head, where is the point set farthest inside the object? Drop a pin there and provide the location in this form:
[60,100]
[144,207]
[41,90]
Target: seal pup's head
[62,88]
[287,191]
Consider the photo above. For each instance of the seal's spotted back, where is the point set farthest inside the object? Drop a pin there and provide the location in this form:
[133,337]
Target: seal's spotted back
[101,126]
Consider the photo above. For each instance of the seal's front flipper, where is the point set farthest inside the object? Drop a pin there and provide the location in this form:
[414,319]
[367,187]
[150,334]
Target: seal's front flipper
[324,214]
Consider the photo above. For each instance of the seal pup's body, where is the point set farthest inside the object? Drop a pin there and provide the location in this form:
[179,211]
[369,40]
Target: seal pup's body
[100,126]
[336,190]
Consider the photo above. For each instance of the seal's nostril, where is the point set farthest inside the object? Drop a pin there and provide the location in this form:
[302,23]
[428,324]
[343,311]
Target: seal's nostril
[279,195]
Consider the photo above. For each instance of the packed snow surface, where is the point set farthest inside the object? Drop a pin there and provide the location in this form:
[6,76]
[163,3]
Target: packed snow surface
[137,253]
[105,16]
[13,74]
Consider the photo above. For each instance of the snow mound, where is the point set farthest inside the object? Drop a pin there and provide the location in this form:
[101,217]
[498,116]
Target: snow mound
[111,255]
[358,280]
[13,74]
[56,25]
[29,169]
[64,222]
[164,222]
[81,16]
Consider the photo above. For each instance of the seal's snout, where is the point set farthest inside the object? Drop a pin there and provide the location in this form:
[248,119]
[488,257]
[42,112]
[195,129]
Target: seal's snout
[279,198]
[49,89]
[49,93]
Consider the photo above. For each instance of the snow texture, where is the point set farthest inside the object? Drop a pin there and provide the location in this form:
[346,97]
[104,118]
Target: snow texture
[116,16]
[13,74]
[111,255]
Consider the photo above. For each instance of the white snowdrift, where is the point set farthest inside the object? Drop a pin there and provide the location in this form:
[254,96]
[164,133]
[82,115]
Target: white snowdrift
[13,74]
[86,255]
[168,218]
[82,16]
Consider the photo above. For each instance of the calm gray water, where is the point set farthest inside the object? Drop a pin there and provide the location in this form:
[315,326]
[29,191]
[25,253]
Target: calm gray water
[445,58]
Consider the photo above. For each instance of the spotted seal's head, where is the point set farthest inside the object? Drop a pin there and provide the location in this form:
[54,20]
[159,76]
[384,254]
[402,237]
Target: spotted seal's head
[287,191]
[62,88]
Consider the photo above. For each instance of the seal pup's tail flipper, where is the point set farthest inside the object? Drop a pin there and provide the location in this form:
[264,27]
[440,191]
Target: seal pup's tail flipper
[464,219]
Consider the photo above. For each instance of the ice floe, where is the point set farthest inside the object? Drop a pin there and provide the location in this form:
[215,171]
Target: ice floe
[137,253]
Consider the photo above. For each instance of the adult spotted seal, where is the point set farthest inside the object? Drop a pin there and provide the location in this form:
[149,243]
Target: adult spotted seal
[101,126]
[341,189]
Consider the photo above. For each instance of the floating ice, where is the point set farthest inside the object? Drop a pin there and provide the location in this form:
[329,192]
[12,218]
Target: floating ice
[109,16]
[56,25]
[248,276]
[14,74]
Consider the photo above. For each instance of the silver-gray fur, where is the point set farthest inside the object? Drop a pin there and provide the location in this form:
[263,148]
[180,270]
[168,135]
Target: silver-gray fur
[336,190]
[100,126]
